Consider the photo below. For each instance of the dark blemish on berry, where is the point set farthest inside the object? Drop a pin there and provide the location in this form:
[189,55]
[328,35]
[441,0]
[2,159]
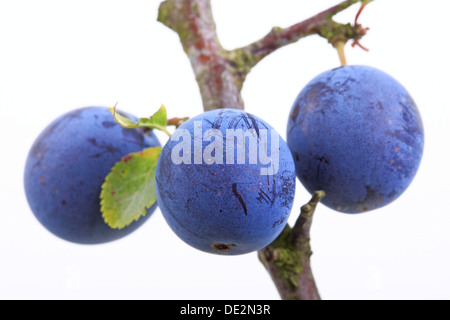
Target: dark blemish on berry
[295,112]
[239,197]
[223,247]
[108,124]
[133,136]
[254,123]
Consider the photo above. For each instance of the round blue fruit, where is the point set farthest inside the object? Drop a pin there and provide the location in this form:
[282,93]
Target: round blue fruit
[67,166]
[226,182]
[357,134]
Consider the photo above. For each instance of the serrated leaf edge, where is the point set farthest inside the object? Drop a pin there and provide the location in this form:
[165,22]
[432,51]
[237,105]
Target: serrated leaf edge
[103,190]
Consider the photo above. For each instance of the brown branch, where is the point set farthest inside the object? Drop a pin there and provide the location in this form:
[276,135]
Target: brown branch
[321,24]
[287,259]
[220,75]
[300,231]
[220,83]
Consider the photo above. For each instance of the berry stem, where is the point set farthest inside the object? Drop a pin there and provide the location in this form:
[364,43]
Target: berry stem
[340,47]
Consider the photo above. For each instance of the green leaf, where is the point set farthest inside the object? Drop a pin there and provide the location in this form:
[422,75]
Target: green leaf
[123,121]
[129,189]
[158,121]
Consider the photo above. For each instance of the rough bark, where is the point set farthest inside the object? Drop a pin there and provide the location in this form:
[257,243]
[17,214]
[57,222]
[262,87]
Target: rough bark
[287,259]
[220,83]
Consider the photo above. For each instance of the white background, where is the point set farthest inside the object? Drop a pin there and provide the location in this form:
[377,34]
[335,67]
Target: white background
[60,55]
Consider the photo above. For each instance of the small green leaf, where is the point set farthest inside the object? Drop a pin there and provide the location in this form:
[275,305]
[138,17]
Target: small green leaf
[157,121]
[129,189]
[123,121]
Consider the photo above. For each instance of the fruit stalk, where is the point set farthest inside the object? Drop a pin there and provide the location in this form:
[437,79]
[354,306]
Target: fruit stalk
[340,47]
[221,74]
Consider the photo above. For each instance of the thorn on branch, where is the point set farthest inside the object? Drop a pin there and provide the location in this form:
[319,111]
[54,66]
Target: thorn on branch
[361,31]
[301,229]
[357,43]
[363,5]
[321,24]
